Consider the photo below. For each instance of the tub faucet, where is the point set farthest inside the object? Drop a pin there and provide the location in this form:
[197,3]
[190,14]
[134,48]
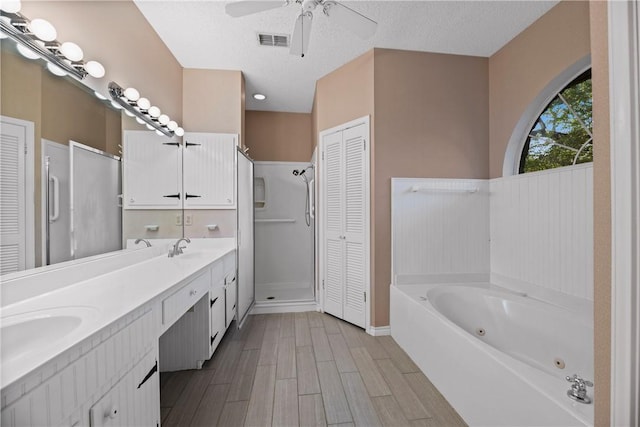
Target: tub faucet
[176,249]
[578,390]
[143,240]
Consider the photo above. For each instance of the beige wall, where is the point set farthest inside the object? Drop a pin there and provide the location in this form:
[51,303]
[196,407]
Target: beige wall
[601,212]
[523,67]
[431,121]
[212,101]
[276,136]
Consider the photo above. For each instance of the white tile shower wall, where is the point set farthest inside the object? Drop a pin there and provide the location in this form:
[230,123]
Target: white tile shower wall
[440,229]
[542,230]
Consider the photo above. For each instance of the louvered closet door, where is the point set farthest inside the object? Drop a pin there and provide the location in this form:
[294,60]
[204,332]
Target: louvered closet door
[12,198]
[354,225]
[334,214]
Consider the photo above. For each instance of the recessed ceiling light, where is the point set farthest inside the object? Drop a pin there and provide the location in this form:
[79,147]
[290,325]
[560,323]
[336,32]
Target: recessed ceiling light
[259,96]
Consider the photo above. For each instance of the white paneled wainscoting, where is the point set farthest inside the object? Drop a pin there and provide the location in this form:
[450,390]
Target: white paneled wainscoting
[529,232]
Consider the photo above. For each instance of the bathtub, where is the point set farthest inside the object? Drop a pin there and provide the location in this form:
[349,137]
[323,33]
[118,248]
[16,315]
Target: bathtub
[499,357]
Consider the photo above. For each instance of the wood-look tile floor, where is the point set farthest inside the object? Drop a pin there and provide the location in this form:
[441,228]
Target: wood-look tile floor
[304,369]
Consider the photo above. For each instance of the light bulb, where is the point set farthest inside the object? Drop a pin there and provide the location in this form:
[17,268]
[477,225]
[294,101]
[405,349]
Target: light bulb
[116,105]
[163,119]
[27,53]
[144,104]
[179,132]
[55,70]
[132,94]
[172,125]
[43,30]
[100,96]
[139,120]
[71,51]
[150,127]
[129,113]
[159,133]
[7,20]
[10,6]
[154,112]
[95,69]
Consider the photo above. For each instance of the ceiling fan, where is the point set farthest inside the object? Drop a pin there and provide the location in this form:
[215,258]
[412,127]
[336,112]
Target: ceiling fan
[347,17]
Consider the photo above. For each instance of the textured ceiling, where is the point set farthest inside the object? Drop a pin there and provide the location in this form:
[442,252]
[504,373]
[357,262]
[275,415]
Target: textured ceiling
[201,35]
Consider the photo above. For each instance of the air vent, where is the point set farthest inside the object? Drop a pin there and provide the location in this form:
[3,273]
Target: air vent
[276,40]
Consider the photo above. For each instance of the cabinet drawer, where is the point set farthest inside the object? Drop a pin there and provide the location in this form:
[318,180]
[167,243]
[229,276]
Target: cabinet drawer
[230,263]
[175,305]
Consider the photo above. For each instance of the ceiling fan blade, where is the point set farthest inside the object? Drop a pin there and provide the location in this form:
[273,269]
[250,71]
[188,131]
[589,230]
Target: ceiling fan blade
[242,8]
[353,21]
[301,33]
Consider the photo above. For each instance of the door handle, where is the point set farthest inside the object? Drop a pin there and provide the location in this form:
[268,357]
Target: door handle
[56,198]
[173,196]
[190,196]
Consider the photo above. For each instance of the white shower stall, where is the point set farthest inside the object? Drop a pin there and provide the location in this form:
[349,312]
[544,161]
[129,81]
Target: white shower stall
[284,232]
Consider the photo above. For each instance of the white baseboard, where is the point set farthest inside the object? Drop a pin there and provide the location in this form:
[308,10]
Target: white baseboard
[283,307]
[379,330]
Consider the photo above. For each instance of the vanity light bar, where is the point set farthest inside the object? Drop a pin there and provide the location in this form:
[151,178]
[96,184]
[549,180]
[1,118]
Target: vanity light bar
[133,107]
[17,27]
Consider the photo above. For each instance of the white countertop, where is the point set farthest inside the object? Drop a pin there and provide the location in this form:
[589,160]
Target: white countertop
[109,297]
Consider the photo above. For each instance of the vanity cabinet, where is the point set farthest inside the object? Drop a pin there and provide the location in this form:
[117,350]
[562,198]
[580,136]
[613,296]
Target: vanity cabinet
[197,173]
[231,287]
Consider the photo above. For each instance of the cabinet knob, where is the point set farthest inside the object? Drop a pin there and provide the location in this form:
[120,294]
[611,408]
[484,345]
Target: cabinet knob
[193,292]
[112,412]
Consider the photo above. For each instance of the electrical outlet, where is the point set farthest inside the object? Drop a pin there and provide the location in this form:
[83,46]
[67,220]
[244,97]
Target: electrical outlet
[188,219]
[179,219]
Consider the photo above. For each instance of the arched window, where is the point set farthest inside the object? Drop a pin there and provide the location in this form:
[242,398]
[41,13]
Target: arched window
[562,135]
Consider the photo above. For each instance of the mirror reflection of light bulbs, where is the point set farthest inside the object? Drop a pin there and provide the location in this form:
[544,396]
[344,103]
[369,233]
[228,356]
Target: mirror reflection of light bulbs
[26,52]
[55,70]
[116,105]
[10,6]
[43,30]
[71,51]
[132,94]
[154,112]
[129,113]
[144,103]
[159,133]
[95,69]
[100,96]
[179,132]
[163,119]
[150,127]
[139,120]
[172,125]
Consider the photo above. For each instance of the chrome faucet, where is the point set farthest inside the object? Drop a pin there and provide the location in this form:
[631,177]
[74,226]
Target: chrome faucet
[143,240]
[578,390]
[177,249]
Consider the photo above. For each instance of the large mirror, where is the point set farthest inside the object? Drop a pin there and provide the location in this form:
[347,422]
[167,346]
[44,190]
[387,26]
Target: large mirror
[61,170]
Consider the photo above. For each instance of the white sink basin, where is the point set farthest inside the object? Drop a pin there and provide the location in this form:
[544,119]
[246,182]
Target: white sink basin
[27,332]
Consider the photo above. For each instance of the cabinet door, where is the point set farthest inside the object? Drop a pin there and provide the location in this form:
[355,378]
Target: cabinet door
[217,314]
[209,170]
[230,297]
[152,171]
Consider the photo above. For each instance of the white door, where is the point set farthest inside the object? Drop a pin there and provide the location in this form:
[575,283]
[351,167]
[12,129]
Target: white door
[16,195]
[209,175]
[345,224]
[59,241]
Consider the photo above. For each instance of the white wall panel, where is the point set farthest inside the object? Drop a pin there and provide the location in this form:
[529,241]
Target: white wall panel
[440,227]
[542,229]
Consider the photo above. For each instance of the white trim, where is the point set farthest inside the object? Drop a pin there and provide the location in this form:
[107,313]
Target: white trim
[29,189]
[624,84]
[320,256]
[379,330]
[283,307]
[43,196]
[511,163]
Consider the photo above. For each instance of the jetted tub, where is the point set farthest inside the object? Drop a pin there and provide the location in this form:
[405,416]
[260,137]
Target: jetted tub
[499,357]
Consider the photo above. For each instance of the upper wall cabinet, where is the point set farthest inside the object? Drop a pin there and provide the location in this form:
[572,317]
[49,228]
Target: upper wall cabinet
[152,171]
[209,178]
[198,173]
